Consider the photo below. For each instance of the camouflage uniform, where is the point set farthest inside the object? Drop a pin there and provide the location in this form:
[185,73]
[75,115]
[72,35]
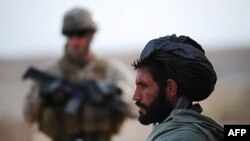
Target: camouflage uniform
[96,123]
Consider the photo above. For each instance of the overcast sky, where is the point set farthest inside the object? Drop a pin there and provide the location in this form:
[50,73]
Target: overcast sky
[31,28]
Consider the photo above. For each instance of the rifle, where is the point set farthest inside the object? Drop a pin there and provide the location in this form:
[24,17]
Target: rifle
[55,90]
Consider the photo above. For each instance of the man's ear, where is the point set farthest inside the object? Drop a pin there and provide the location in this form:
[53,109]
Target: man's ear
[171,90]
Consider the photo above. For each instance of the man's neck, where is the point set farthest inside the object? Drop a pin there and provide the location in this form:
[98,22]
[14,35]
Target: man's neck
[89,57]
[80,62]
[86,58]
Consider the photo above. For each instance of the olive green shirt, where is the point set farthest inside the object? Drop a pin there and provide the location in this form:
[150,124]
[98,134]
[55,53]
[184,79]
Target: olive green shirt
[187,125]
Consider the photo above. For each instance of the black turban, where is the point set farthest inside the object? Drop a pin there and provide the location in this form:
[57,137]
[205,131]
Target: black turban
[186,59]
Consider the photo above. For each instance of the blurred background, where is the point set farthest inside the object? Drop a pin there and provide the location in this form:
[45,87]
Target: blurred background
[30,35]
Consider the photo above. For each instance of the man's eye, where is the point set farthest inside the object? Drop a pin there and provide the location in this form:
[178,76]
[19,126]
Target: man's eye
[143,85]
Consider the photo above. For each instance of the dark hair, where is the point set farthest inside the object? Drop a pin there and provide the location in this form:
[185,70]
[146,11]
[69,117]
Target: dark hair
[155,68]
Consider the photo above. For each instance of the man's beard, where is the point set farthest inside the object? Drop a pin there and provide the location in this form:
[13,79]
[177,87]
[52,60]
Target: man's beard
[157,111]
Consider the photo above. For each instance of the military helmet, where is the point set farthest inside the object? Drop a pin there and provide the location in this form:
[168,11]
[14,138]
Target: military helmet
[78,20]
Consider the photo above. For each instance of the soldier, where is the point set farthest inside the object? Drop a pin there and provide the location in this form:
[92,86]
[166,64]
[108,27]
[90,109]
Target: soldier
[93,123]
[172,73]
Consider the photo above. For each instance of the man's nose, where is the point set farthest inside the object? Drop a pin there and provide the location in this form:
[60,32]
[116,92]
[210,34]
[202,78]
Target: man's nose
[136,95]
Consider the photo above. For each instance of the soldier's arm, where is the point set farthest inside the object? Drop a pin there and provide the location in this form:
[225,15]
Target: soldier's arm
[119,72]
[124,77]
[33,104]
